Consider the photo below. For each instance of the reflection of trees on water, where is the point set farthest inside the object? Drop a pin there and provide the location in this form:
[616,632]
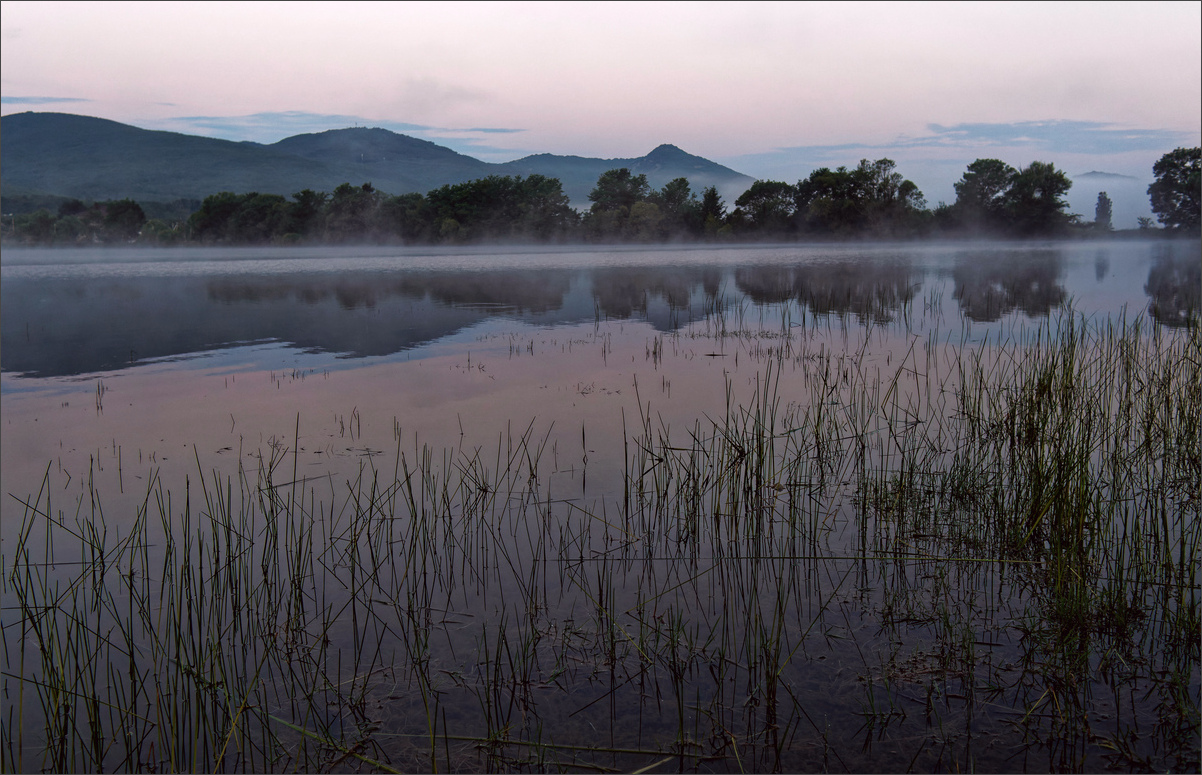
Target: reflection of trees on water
[622,292]
[534,292]
[619,292]
[868,289]
[1174,286]
[989,285]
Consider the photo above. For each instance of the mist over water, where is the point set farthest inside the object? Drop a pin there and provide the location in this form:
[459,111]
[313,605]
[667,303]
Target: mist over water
[76,312]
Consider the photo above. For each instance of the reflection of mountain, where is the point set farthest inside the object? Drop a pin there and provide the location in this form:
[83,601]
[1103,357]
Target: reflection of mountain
[1175,285]
[56,326]
[989,285]
[497,292]
[868,289]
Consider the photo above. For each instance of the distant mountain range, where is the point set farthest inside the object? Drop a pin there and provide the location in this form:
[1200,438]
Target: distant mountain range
[1095,175]
[64,155]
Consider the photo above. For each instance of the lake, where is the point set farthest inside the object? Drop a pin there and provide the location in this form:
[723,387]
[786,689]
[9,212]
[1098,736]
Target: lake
[767,508]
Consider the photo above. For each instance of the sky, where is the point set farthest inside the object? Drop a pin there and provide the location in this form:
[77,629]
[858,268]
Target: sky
[773,90]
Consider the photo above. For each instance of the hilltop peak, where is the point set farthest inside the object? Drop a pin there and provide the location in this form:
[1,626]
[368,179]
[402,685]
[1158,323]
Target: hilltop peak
[667,151]
[365,144]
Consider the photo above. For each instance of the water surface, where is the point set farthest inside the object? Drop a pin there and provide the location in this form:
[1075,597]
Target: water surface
[125,368]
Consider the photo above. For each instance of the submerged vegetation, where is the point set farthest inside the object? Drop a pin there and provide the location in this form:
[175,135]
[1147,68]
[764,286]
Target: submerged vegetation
[970,557]
[872,200]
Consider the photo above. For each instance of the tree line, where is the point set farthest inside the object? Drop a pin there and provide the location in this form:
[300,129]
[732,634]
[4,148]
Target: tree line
[871,200]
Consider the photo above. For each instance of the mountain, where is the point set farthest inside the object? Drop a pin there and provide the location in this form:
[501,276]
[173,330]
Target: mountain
[1100,176]
[1128,196]
[92,158]
[667,162]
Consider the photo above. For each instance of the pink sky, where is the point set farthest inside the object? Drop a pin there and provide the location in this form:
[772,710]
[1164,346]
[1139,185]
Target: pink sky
[771,89]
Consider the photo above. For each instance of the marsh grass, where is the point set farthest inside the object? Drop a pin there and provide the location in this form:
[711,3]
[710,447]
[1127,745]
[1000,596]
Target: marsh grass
[976,557]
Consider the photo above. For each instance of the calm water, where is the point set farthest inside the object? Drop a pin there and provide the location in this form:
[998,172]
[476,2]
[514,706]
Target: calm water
[216,348]
[120,367]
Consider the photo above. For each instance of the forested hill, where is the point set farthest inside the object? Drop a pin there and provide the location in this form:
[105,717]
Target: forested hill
[664,164]
[96,159]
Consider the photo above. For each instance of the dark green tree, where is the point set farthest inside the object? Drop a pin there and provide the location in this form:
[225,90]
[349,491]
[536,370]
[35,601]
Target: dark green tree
[409,217]
[767,208]
[712,204]
[1036,202]
[544,210]
[618,190]
[981,196]
[70,228]
[212,222]
[352,213]
[1176,193]
[500,208]
[71,207]
[889,203]
[679,208]
[829,202]
[306,212]
[34,228]
[614,197]
[123,219]
[260,218]
[1102,213]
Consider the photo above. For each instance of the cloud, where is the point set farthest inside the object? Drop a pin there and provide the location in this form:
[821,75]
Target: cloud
[270,127]
[39,100]
[1050,137]
[950,148]
[1089,137]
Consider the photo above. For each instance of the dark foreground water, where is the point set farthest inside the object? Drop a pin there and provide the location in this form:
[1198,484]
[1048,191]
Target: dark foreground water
[702,509]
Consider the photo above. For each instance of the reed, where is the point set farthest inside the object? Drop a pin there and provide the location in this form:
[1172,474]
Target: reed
[966,534]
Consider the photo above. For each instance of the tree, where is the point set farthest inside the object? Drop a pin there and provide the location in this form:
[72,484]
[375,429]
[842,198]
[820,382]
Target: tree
[123,219]
[616,193]
[1101,219]
[981,195]
[679,207]
[260,218]
[545,210]
[889,202]
[351,212]
[304,214]
[1176,193]
[71,207]
[36,227]
[409,217]
[768,207]
[212,222]
[712,212]
[830,201]
[1036,200]
[618,190]
[645,221]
